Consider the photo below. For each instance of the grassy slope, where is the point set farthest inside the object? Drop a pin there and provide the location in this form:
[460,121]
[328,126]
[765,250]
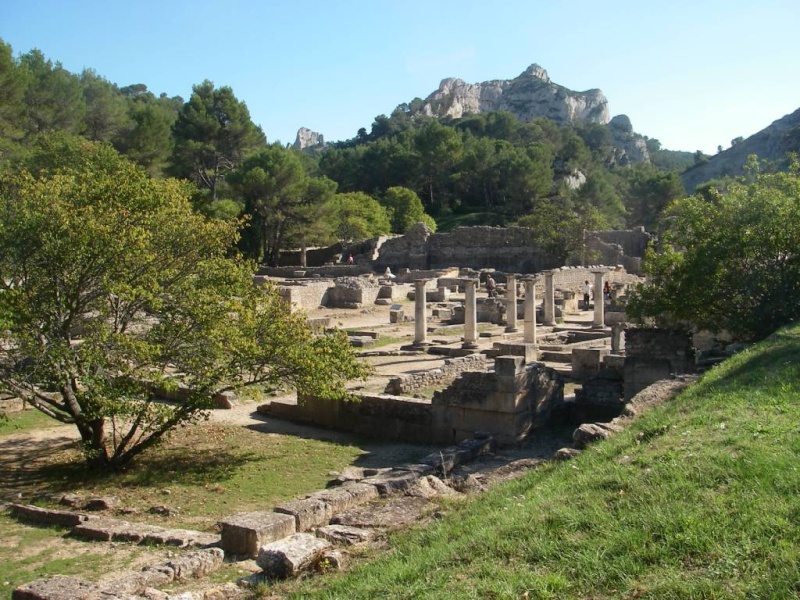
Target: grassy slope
[698,499]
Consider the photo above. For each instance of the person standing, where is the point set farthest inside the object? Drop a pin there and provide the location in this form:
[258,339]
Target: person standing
[586,288]
[491,286]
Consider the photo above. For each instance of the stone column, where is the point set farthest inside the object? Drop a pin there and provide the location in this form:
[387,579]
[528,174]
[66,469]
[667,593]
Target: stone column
[530,312]
[549,300]
[420,313]
[511,304]
[599,301]
[617,339]
[470,314]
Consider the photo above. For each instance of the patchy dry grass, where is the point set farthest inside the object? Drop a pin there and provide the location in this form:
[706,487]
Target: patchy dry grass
[200,474]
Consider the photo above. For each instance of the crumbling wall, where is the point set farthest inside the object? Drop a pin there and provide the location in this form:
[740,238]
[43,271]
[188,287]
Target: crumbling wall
[307,295]
[652,354]
[352,292]
[504,248]
[633,242]
[443,376]
[507,402]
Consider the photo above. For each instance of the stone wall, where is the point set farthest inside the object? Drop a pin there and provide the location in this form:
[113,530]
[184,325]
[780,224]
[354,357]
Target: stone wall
[329,271]
[633,242]
[600,399]
[306,295]
[441,377]
[353,292]
[508,249]
[653,354]
[504,248]
[508,403]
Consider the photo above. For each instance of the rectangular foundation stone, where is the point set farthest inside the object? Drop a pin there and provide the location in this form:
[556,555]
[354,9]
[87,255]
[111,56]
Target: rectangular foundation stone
[308,513]
[290,556]
[245,533]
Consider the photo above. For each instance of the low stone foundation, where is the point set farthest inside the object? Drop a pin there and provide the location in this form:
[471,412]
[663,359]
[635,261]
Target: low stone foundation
[413,382]
[508,403]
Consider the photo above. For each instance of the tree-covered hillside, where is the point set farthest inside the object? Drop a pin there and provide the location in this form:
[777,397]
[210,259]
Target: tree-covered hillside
[487,168]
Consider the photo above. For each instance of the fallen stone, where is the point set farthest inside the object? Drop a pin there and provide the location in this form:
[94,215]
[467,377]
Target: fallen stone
[308,513]
[196,565]
[333,560]
[430,487]
[566,453]
[292,555]
[97,503]
[350,474]
[60,587]
[400,512]
[346,496]
[469,484]
[43,516]
[345,535]
[244,533]
[393,482]
[106,529]
[588,433]
[225,400]
[71,500]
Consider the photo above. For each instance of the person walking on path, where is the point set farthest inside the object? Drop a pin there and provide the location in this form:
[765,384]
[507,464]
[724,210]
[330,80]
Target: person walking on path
[586,288]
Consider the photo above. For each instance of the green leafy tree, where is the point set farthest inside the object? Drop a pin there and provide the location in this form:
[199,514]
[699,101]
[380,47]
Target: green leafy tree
[282,201]
[600,193]
[731,263]
[213,134]
[148,140]
[439,148]
[649,192]
[106,108]
[53,96]
[405,209]
[113,287]
[12,92]
[357,216]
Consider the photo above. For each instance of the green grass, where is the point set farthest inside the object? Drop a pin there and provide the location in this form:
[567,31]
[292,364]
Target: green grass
[24,420]
[699,498]
[201,473]
[37,552]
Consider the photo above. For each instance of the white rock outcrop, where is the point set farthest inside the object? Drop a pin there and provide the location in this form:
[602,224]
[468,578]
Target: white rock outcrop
[529,96]
[308,139]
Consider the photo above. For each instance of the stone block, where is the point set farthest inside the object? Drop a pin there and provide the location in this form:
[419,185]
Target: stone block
[507,366]
[346,496]
[345,535]
[308,513]
[245,533]
[225,400]
[393,482]
[60,587]
[586,361]
[34,514]
[292,555]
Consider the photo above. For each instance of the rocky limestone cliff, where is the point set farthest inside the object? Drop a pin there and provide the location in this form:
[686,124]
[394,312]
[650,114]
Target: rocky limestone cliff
[308,139]
[772,144]
[629,147]
[530,96]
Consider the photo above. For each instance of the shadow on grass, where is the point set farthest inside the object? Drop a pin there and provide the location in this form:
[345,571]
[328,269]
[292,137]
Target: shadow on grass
[30,467]
[376,454]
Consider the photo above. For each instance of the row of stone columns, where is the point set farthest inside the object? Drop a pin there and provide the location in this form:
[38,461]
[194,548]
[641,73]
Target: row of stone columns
[471,314]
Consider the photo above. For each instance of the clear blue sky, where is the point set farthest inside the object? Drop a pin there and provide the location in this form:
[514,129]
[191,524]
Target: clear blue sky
[692,73]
